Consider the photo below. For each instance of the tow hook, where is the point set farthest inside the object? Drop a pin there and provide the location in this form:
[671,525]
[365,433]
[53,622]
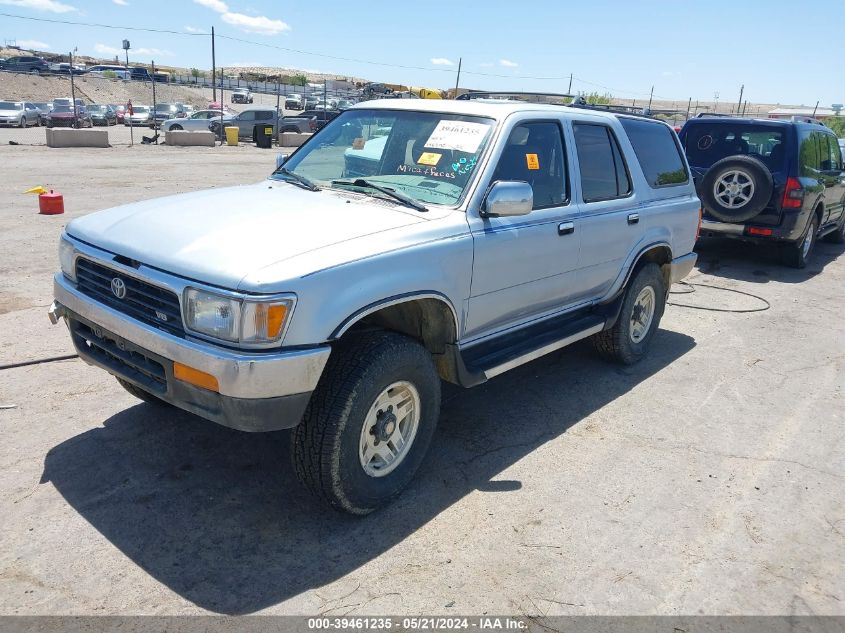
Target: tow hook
[55,312]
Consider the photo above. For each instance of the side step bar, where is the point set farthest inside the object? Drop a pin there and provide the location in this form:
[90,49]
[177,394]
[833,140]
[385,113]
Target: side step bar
[486,360]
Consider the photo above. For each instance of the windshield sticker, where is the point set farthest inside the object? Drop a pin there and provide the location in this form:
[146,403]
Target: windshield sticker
[705,142]
[358,143]
[424,171]
[464,166]
[458,135]
[533,161]
[429,158]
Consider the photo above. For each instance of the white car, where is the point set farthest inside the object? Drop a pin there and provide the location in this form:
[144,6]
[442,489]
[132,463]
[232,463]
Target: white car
[197,122]
[293,102]
[142,115]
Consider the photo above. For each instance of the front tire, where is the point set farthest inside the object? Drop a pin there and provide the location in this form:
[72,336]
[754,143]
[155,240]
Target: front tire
[628,341]
[369,423]
[838,236]
[23,122]
[141,394]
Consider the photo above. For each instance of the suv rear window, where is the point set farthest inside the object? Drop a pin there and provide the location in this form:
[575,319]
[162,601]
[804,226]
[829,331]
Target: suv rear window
[658,152]
[707,143]
[604,175]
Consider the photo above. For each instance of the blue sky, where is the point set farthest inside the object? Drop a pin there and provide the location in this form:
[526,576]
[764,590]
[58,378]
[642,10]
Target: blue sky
[684,49]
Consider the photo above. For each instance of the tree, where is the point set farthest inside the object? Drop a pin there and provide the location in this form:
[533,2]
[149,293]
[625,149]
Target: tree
[196,73]
[837,124]
[299,80]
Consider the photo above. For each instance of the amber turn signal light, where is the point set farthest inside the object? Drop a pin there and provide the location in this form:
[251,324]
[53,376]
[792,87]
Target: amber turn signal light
[195,377]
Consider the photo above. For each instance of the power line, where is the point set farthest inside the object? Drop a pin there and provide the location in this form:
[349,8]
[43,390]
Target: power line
[326,55]
[102,26]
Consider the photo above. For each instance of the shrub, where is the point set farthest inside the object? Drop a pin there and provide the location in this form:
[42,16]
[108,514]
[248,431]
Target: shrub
[109,74]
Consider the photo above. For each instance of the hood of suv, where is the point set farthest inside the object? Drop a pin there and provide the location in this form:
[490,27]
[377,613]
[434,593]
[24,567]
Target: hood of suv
[219,236]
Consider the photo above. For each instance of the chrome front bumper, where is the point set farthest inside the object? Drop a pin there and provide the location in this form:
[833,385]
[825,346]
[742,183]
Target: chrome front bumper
[242,375]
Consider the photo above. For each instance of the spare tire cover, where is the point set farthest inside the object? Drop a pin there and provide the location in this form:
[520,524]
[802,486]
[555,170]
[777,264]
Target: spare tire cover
[736,188]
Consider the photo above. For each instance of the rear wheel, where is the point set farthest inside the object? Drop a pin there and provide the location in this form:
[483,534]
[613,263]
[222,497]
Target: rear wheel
[627,342]
[141,394]
[798,254]
[369,423]
[176,127]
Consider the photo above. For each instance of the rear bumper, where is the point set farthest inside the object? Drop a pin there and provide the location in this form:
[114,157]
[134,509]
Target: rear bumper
[682,266]
[257,391]
[790,229]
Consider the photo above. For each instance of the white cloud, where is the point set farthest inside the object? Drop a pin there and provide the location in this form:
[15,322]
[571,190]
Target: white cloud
[102,49]
[193,29]
[252,24]
[214,5]
[34,44]
[40,5]
[441,61]
[507,63]
[122,3]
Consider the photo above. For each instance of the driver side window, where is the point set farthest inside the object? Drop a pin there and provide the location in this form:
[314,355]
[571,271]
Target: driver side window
[534,154]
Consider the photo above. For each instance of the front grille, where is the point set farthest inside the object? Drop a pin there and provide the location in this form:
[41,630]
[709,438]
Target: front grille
[119,356]
[152,305]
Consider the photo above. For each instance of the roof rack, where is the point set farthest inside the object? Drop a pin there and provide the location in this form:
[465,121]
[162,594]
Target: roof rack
[553,98]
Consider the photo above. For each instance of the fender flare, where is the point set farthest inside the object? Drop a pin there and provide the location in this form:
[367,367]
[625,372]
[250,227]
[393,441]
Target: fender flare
[371,308]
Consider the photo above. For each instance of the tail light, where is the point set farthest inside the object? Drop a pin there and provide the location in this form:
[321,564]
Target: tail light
[700,218]
[793,194]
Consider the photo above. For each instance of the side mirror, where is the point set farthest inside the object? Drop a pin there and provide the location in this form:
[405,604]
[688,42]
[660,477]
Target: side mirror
[508,198]
[281,159]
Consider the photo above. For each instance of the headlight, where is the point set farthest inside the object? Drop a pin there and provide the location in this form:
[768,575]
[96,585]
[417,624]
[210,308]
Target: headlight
[66,251]
[236,320]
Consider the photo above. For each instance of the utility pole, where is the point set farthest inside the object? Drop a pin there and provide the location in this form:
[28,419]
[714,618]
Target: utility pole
[458,80]
[155,129]
[715,101]
[651,96]
[739,103]
[744,107]
[569,90]
[689,105]
[73,91]
[214,71]
[814,109]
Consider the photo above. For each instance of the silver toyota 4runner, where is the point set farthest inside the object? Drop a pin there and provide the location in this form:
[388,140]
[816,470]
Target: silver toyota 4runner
[405,243]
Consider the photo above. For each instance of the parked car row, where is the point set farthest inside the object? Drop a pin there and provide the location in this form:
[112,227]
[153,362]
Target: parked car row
[38,65]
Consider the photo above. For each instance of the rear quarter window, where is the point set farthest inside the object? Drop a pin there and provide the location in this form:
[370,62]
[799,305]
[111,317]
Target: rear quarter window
[657,152]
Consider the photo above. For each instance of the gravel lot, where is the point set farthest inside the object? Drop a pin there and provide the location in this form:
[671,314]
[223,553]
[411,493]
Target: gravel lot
[708,479]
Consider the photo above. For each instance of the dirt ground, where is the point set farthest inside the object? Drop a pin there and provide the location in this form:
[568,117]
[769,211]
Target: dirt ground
[707,479]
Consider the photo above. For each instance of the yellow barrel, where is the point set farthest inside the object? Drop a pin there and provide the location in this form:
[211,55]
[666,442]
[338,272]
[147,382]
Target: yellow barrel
[231,135]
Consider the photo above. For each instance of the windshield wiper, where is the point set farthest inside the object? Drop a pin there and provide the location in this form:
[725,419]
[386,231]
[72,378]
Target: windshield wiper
[298,178]
[401,197]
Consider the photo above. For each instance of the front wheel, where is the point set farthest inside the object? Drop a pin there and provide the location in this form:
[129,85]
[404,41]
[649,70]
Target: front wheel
[838,236]
[627,342]
[23,121]
[369,423]
[141,394]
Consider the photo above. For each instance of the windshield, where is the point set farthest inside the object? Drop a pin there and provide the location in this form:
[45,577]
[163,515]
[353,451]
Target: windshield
[62,108]
[163,107]
[708,143]
[140,110]
[97,108]
[427,156]
[9,105]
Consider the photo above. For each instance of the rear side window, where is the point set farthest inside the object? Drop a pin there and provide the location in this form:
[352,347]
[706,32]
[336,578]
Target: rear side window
[809,154]
[658,153]
[834,154]
[603,172]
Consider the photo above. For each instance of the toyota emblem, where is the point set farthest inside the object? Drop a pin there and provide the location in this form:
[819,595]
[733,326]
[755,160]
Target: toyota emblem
[118,287]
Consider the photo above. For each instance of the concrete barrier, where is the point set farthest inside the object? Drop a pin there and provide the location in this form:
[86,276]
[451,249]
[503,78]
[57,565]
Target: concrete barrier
[292,139]
[182,138]
[60,137]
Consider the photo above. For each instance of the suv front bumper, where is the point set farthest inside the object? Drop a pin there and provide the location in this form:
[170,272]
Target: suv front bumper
[261,391]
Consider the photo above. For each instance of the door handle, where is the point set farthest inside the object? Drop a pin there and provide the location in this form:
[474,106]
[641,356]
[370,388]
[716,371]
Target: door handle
[633,218]
[565,228]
